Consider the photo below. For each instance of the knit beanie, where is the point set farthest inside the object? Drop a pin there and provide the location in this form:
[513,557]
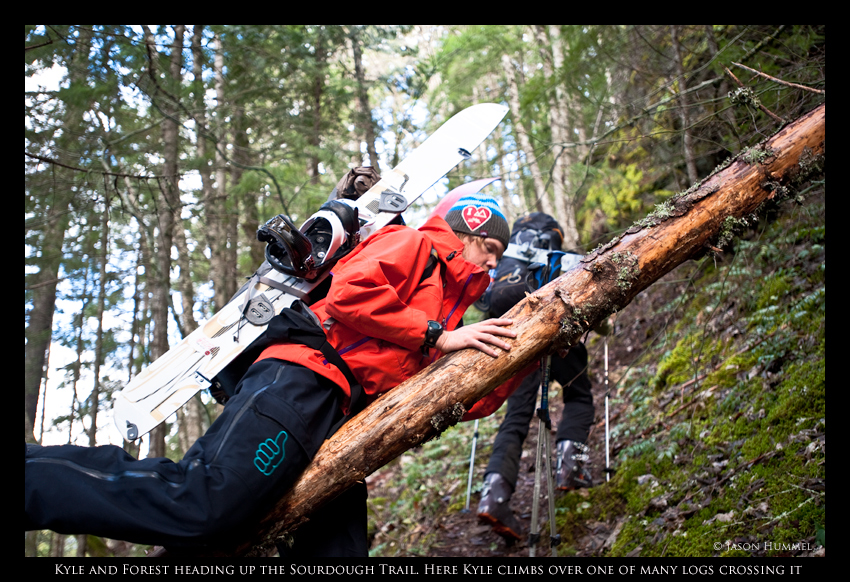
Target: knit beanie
[479,215]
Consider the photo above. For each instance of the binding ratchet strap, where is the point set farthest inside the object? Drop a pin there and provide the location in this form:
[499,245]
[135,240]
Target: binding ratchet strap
[285,241]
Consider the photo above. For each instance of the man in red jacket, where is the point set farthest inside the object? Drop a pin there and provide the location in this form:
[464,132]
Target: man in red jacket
[393,306]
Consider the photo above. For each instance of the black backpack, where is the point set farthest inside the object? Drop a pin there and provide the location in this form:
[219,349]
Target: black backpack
[533,231]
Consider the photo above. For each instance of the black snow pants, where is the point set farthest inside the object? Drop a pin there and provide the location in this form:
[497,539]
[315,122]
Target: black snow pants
[266,435]
[577,416]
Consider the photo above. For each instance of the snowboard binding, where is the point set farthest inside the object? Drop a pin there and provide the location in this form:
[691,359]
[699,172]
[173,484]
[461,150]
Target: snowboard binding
[323,239]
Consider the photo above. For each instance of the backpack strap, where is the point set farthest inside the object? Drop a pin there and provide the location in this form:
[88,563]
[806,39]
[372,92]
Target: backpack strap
[296,324]
[433,261]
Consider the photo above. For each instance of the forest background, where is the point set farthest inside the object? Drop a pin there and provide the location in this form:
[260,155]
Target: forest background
[153,153]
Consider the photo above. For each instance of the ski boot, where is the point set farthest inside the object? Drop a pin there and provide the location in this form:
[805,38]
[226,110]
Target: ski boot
[494,507]
[571,472]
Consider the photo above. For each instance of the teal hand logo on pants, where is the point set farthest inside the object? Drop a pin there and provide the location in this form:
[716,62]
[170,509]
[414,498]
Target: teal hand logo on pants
[270,453]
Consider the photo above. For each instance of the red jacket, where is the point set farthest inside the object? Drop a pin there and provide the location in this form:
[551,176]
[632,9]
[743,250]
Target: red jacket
[377,308]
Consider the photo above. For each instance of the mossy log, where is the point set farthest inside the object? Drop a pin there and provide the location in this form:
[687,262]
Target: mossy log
[557,315]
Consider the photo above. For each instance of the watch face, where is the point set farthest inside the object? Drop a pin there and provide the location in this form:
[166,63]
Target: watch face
[432,333]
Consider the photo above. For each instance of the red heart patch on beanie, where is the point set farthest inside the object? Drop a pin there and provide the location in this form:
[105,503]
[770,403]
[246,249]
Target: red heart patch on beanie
[476,216]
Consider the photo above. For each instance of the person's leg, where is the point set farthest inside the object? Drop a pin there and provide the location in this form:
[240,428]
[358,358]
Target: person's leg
[251,454]
[502,471]
[338,529]
[507,446]
[572,466]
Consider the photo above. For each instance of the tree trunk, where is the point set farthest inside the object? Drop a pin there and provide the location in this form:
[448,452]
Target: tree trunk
[215,207]
[167,209]
[214,194]
[542,202]
[555,316]
[39,329]
[188,417]
[315,137]
[558,123]
[684,103]
[512,211]
[94,398]
[366,123]
[243,216]
[77,365]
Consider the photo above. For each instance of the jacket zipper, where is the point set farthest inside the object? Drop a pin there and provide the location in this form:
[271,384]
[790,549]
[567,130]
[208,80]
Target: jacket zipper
[103,476]
[459,299]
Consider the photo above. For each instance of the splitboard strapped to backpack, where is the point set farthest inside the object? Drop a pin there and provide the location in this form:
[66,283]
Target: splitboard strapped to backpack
[298,262]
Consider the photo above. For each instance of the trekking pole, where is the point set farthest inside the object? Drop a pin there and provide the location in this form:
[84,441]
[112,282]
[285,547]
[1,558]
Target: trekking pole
[539,275]
[534,534]
[471,464]
[554,537]
[544,425]
[608,469]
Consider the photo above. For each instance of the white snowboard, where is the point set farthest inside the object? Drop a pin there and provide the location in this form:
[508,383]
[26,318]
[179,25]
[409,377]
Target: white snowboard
[169,382]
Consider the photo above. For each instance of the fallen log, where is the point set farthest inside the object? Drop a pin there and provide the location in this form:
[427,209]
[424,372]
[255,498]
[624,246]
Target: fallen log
[694,222]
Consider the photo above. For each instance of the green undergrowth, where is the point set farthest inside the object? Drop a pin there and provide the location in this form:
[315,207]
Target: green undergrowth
[719,441]
[721,447]
[423,485]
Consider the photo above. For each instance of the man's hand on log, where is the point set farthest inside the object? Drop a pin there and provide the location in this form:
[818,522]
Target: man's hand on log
[479,335]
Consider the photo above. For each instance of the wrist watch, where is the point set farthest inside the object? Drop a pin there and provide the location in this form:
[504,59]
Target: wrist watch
[434,331]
